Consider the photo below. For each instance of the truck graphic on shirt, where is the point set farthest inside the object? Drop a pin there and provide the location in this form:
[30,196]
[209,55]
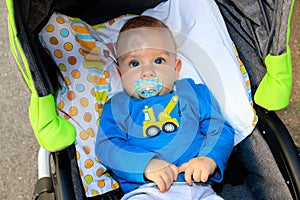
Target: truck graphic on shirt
[165,122]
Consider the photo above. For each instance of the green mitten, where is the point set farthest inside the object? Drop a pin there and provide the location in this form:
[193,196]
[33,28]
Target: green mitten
[52,131]
[274,90]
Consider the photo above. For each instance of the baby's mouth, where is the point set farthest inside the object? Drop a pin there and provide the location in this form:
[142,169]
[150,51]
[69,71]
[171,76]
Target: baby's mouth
[148,88]
[148,91]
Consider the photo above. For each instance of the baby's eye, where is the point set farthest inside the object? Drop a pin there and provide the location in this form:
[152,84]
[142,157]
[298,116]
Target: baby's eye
[159,61]
[134,63]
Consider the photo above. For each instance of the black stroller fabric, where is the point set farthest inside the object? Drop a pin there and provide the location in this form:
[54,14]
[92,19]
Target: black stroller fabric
[257,29]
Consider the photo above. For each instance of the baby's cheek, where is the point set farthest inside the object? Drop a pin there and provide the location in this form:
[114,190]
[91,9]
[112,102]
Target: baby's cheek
[166,90]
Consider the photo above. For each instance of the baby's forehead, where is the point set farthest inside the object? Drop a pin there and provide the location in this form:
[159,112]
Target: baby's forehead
[145,38]
[146,53]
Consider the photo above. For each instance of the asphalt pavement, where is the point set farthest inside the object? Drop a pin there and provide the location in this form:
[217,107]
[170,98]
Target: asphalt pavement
[18,146]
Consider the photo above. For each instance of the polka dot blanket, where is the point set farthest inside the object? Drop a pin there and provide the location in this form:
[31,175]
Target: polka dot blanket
[87,76]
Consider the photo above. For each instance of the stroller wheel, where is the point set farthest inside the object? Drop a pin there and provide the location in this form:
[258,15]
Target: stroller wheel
[44,189]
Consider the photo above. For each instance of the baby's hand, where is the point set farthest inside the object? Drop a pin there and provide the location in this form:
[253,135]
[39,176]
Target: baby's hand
[198,169]
[162,173]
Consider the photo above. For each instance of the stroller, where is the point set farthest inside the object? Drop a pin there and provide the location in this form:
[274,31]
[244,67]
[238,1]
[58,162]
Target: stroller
[258,30]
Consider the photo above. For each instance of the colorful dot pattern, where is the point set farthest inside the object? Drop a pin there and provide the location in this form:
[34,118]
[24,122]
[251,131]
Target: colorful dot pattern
[87,70]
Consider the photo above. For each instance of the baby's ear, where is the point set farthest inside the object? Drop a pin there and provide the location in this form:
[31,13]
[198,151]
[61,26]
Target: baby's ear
[178,65]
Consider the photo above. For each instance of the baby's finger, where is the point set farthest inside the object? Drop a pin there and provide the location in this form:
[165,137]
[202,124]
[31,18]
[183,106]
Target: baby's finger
[197,175]
[161,184]
[168,180]
[182,167]
[175,172]
[204,176]
[188,175]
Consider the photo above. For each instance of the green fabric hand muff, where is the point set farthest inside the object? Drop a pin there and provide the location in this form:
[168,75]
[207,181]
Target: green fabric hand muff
[274,91]
[52,131]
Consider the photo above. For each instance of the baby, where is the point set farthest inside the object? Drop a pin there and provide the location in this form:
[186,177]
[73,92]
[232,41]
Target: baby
[163,138]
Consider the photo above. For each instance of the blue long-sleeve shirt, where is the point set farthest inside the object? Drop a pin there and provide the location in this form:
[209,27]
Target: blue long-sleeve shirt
[202,130]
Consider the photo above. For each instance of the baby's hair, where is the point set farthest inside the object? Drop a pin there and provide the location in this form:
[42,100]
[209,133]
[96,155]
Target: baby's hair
[143,21]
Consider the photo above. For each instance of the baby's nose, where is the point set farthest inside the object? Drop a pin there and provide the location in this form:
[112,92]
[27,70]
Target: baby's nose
[147,72]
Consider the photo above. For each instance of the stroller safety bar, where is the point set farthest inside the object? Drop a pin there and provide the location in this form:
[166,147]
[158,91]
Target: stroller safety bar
[43,163]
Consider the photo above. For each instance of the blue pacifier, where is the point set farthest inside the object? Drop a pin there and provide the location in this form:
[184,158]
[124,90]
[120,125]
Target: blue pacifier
[148,88]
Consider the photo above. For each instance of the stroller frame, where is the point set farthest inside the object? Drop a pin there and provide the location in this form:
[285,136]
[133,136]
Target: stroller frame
[63,181]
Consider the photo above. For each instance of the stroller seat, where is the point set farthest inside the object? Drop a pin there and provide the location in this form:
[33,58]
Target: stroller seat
[85,57]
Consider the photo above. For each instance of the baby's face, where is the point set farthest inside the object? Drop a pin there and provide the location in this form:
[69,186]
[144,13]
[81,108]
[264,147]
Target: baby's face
[149,72]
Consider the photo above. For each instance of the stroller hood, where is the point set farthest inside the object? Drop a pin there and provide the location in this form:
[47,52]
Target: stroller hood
[261,36]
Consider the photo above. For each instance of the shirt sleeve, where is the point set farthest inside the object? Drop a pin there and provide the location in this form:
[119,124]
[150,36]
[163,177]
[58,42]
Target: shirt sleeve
[219,134]
[113,150]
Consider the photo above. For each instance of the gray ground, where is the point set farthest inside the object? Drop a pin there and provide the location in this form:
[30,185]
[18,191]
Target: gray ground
[18,147]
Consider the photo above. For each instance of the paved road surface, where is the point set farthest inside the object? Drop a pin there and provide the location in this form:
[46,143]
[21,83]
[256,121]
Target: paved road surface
[18,147]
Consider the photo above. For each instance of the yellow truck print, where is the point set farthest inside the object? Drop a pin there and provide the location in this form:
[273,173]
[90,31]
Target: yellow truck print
[165,122]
